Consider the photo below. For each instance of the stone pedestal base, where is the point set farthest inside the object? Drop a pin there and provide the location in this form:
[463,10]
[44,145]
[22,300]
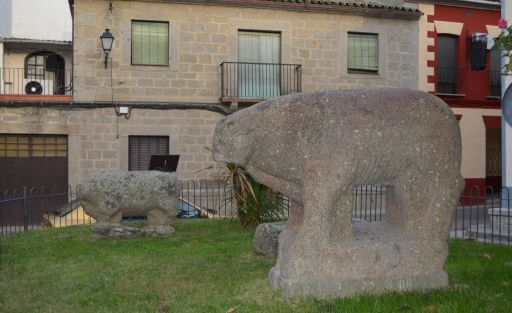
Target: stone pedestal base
[122,231]
[377,259]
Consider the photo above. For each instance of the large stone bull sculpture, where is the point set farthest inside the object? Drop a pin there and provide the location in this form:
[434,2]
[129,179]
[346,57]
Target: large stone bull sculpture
[316,148]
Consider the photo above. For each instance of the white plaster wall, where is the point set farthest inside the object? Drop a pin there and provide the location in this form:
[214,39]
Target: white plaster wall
[472,128]
[5,18]
[35,19]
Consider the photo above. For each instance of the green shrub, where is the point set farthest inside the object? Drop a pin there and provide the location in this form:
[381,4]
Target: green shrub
[255,203]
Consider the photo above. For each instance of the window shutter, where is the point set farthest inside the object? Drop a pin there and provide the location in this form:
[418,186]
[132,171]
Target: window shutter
[141,148]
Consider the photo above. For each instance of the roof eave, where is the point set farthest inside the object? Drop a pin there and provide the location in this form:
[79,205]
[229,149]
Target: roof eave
[38,41]
[365,10]
[463,4]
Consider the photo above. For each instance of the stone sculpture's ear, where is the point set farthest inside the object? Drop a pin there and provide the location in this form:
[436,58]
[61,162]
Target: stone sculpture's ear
[228,125]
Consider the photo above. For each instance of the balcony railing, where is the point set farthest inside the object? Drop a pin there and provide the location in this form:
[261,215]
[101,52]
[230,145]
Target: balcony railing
[253,82]
[20,81]
[450,81]
[495,84]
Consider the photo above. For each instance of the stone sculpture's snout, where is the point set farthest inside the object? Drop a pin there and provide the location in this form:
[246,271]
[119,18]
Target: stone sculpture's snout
[232,142]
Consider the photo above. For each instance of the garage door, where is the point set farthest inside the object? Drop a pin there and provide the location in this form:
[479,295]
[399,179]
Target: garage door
[141,148]
[38,162]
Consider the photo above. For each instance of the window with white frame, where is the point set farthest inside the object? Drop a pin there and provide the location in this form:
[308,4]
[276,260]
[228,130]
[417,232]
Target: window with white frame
[363,52]
[150,43]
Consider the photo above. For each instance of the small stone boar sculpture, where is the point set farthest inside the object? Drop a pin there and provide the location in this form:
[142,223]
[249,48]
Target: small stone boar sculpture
[111,195]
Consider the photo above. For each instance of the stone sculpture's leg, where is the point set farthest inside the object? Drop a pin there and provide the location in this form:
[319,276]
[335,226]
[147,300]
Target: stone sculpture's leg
[157,217]
[440,214]
[321,195]
[296,215]
[102,218]
[116,218]
[341,217]
[421,201]
[408,200]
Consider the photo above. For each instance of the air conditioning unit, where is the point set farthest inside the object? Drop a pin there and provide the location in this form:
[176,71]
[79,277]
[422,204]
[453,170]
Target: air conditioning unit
[38,86]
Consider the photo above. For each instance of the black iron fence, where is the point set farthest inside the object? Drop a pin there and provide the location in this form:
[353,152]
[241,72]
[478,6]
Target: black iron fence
[482,215]
[30,208]
[258,81]
[21,81]
[33,208]
[450,81]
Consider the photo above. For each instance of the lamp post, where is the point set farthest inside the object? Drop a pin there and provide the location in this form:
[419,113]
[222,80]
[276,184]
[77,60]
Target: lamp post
[107,40]
[506,104]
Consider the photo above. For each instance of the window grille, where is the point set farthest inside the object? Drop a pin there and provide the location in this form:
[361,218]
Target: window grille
[150,43]
[363,52]
[33,146]
[34,66]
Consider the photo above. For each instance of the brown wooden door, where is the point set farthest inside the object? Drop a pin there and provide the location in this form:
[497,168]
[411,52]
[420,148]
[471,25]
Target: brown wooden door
[39,163]
[141,148]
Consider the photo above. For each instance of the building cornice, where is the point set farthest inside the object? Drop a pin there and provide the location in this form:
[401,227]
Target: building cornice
[320,6]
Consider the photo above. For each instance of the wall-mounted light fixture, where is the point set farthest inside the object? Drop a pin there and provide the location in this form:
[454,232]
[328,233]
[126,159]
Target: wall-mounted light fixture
[107,40]
[110,7]
[123,111]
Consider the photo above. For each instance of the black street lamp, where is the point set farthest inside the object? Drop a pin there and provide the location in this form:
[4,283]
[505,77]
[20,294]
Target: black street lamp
[107,40]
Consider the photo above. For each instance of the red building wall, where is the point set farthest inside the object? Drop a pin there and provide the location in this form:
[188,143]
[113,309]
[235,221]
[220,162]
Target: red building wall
[476,83]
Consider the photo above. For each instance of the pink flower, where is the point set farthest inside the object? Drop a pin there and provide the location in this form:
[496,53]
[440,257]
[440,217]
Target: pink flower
[502,23]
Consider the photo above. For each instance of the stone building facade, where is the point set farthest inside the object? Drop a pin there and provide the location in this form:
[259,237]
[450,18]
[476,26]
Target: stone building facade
[182,100]
[203,36]
[97,143]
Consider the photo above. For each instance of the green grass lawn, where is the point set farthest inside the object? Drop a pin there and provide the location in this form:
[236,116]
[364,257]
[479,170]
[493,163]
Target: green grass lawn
[209,266]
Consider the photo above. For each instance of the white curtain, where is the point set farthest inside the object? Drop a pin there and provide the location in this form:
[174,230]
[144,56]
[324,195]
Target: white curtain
[363,52]
[258,74]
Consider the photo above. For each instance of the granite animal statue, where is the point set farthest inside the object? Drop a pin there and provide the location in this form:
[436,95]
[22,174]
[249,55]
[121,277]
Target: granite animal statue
[315,148]
[109,196]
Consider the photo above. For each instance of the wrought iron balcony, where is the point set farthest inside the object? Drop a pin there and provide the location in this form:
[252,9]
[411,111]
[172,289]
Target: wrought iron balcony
[16,82]
[495,84]
[254,82]
[450,81]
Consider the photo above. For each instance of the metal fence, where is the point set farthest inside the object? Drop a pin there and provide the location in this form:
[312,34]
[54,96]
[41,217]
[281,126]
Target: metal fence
[450,81]
[482,215]
[258,81]
[21,81]
[31,208]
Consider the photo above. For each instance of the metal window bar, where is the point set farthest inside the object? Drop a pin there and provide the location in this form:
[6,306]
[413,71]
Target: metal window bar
[495,84]
[450,81]
[259,81]
[20,81]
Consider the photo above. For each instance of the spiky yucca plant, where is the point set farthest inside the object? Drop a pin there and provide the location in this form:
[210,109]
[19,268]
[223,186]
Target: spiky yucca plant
[255,202]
